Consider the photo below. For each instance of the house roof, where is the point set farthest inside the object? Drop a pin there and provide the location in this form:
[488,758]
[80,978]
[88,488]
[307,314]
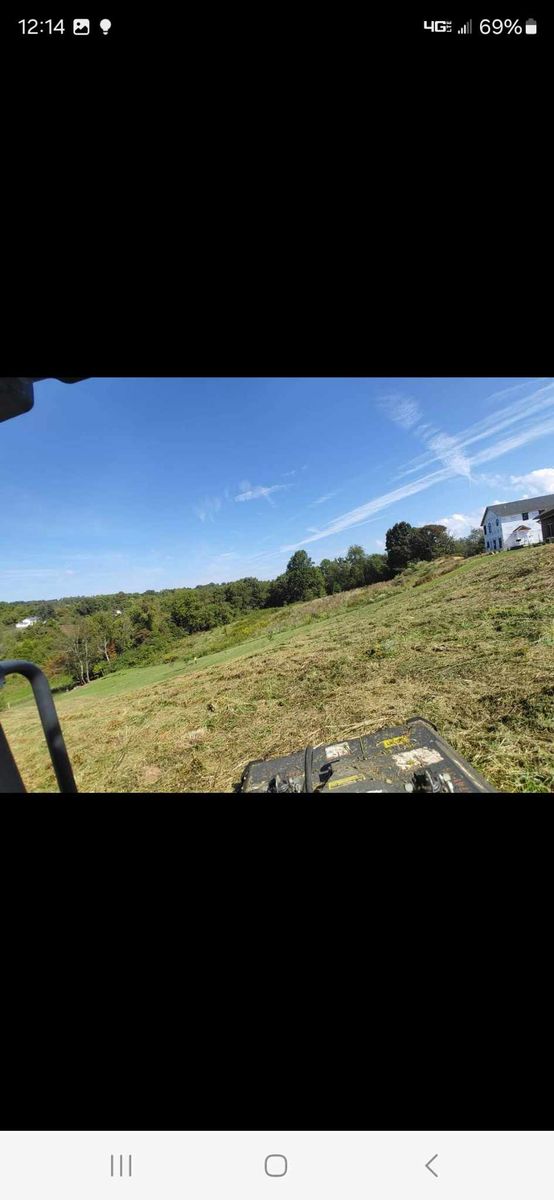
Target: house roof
[528,504]
[518,527]
[547,512]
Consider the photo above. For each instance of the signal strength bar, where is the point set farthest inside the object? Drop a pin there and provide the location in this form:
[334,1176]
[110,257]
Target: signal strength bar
[467,28]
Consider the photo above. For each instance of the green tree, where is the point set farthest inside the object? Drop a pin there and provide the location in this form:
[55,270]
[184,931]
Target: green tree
[376,568]
[356,559]
[148,619]
[45,610]
[102,625]
[122,631]
[78,648]
[245,594]
[328,569]
[193,613]
[475,542]
[278,594]
[429,542]
[397,542]
[304,581]
[85,605]
[8,639]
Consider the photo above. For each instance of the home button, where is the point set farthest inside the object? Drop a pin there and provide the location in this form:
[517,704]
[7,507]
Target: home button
[276,1164]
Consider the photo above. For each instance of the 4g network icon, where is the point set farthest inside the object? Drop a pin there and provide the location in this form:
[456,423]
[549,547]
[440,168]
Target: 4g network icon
[438,26]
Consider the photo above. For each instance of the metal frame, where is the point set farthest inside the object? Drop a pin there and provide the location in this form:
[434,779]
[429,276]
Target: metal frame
[50,725]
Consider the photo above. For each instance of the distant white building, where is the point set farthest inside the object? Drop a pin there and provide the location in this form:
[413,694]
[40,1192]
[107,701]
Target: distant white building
[507,526]
[24,624]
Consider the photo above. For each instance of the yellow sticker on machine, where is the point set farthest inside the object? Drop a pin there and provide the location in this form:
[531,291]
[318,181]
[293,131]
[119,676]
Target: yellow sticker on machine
[397,741]
[349,779]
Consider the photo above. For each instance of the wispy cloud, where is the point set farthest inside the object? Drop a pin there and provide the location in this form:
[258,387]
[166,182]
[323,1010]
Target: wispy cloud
[207,508]
[286,474]
[32,572]
[520,438]
[449,452]
[322,499]
[406,412]
[257,493]
[519,413]
[403,410]
[262,555]
[516,387]
[492,481]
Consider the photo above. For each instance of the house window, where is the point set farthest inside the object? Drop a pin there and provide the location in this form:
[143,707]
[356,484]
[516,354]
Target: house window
[494,543]
[497,521]
[490,530]
[525,516]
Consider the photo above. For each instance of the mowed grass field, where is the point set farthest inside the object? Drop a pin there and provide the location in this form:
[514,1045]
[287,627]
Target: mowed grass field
[469,644]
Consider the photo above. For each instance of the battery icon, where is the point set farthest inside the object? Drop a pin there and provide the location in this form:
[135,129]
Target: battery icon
[530,26]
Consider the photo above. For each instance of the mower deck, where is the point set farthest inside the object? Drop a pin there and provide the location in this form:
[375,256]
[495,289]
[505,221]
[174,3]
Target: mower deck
[404,758]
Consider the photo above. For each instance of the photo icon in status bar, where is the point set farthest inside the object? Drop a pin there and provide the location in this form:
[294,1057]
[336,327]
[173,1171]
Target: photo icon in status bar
[81,26]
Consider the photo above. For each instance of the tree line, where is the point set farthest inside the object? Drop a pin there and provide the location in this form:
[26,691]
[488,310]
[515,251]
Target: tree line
[406,544]
[79,638]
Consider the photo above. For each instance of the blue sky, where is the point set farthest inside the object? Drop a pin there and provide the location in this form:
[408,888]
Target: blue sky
[132,484]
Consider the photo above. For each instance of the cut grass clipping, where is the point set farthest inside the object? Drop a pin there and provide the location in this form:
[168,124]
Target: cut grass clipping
[467,643]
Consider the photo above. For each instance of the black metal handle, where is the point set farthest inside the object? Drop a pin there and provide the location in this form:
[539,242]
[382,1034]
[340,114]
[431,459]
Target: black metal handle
[48,716]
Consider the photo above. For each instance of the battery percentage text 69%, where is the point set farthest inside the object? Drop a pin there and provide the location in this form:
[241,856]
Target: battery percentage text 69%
[499,26]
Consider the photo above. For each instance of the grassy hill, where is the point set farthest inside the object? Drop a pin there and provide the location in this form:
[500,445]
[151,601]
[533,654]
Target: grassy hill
[467,643]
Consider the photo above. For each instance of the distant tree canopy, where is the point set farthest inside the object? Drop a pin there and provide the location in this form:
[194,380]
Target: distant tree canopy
[407,544]
[474,543]
[246,594]
[191,613]
[357,569]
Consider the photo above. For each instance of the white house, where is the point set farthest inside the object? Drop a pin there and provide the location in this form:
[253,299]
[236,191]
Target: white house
[507,526]
[24,624]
